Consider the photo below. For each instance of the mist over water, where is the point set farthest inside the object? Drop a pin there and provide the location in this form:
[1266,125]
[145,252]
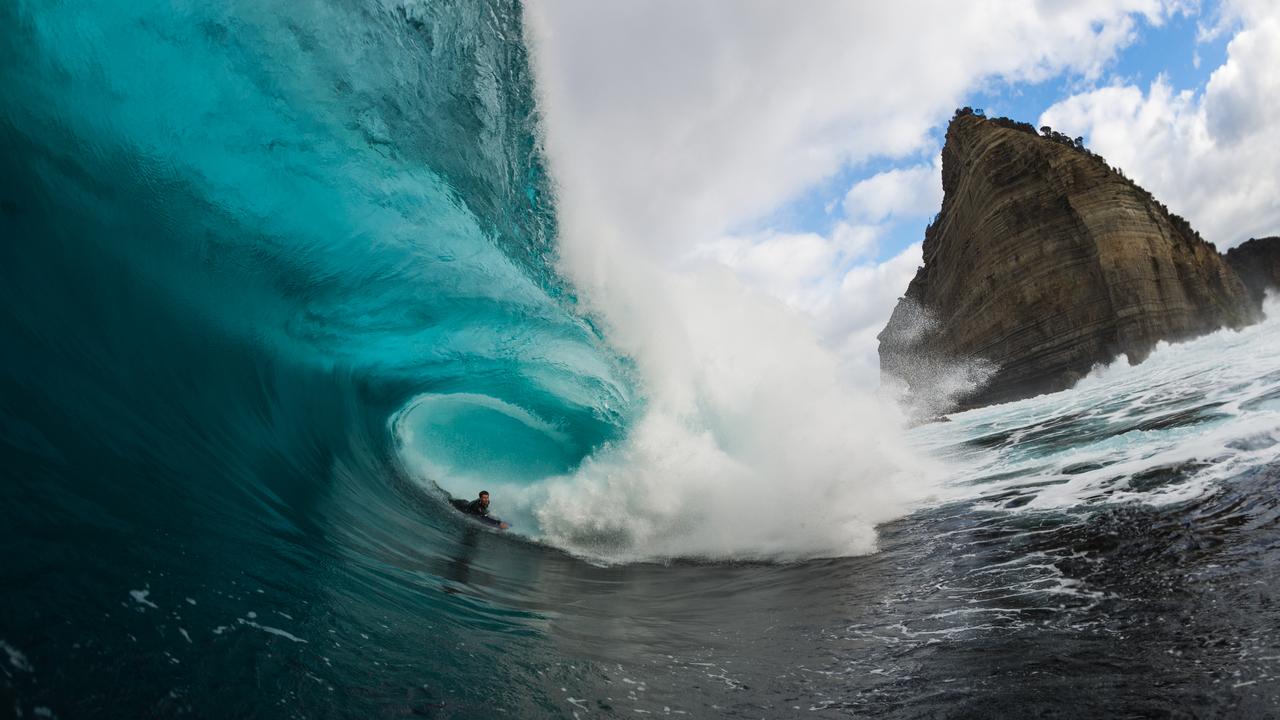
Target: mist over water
[277,279]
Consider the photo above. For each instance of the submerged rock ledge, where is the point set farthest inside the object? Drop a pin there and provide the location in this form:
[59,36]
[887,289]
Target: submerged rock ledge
[1043,262]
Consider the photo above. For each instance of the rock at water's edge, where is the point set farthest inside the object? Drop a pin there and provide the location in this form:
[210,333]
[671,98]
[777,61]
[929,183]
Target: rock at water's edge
[1257,262]
[1042,263]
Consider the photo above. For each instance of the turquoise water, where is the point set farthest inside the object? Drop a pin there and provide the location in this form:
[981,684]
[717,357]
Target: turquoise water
[350,191]
[237,239]
[277,277]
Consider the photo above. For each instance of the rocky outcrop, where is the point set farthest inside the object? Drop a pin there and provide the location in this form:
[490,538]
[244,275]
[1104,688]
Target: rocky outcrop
[1257,262]
[1043,262]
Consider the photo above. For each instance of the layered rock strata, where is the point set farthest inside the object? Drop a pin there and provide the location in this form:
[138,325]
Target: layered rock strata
[1042,263]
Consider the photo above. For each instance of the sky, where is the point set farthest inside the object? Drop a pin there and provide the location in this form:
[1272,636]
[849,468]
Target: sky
[796,146]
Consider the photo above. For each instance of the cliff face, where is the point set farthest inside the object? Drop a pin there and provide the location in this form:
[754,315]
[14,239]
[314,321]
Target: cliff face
[1257,262]
[1043,262]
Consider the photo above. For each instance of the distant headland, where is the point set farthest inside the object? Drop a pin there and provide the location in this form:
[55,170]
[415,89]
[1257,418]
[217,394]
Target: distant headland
[1045,261]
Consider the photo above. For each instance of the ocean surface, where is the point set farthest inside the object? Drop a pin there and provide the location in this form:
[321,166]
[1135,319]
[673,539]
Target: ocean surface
[277,279]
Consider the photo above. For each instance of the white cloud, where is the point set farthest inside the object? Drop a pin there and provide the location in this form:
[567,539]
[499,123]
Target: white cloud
[858,312]
[802,269]
[1212,157]
[847,295]
[674,122]
[901,192]
[671,126]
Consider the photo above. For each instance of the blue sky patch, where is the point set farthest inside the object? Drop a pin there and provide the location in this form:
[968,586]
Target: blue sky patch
[1174,49]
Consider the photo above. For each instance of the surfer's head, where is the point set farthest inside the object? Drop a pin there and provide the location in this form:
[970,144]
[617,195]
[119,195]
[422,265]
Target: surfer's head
[484,498]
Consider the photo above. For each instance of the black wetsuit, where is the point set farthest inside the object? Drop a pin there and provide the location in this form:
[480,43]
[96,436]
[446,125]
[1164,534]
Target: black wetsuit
[481,512]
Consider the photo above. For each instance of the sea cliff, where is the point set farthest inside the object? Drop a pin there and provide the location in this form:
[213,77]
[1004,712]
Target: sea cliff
[1045,261]
[1257,262]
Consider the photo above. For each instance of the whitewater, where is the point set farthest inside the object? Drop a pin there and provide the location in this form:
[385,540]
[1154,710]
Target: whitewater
[1163,432]
[276,281]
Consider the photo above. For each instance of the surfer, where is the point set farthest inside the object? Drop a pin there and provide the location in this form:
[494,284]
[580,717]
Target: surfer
[480,509]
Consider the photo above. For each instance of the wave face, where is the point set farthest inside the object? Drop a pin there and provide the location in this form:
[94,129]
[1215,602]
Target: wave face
[320,190]
[275,278]
[237,238]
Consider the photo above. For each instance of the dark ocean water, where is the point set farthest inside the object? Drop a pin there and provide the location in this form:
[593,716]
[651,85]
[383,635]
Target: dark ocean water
[238,241]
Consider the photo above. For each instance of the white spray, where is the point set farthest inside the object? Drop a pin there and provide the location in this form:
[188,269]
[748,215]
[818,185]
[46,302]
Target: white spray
[751,445]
